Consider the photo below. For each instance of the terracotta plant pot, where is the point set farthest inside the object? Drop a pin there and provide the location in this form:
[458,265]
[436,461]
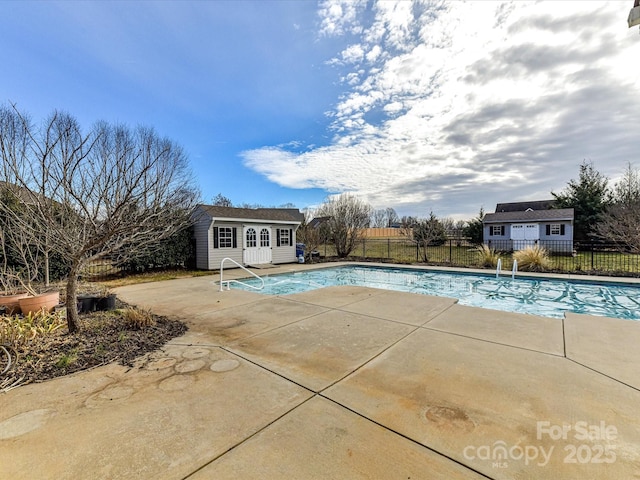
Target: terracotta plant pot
[11,303]
[38,302]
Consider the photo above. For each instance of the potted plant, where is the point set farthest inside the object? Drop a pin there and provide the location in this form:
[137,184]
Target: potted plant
[107,302]
[37,302]
[87,302]
[100,300]
[20,295]
[13,291]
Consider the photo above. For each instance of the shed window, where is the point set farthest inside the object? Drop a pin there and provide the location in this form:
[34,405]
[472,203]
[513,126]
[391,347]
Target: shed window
[497,230]
[284,237]
[251,238]
[264,237]
[555,229]
[224,237]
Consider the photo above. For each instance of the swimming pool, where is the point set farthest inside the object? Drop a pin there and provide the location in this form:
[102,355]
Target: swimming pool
[550,298]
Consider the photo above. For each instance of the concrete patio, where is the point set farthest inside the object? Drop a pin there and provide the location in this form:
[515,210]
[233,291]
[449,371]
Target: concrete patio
[339,383]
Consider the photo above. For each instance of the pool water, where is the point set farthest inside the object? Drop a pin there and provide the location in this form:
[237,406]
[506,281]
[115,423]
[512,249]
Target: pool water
[550,298]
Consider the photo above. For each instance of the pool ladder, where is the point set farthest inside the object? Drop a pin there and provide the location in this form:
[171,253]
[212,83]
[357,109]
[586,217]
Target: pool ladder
[228,282]
[514,269]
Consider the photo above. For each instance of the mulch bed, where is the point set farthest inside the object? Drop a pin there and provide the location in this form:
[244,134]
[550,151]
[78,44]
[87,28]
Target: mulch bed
[103,338]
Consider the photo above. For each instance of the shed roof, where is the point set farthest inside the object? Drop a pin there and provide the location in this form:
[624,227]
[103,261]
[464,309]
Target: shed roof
[318,221]
[281,215]
[530,216]
[524,206]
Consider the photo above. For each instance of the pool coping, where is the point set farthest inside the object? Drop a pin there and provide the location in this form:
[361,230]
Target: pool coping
[298,267]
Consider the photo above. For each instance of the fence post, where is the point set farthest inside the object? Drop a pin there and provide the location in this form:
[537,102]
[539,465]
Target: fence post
[592,257]
[450,251]
[364,248]
[417,252]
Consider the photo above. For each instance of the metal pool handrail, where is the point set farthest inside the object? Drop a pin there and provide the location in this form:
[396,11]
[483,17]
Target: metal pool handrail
[228,282]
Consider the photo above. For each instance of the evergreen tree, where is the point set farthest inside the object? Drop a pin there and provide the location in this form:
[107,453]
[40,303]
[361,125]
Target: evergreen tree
[474,228]
[589,196]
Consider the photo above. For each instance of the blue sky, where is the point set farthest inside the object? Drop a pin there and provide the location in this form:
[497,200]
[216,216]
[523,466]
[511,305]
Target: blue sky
[419,106]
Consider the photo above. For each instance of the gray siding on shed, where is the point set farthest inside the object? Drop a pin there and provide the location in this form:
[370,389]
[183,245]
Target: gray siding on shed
[283,254]
[553,243]
[202,237]
[207,218]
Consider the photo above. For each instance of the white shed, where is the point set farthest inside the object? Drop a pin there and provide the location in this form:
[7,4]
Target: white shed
[247,235]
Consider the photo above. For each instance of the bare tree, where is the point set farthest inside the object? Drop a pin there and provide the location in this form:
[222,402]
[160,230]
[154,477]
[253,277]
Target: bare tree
[20,254]
[454,229]
[379,218]
[110,192]
[348,215]
[627,190]
[312,232]
[425,232]
[392,217]
[406,226]
[221,201]
[384,218]
[621,224]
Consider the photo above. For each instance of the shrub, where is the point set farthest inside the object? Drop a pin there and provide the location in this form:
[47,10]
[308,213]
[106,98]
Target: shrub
[137,319]
[474,229]
[488,256]
[177,251]
[532,259]
[19,329]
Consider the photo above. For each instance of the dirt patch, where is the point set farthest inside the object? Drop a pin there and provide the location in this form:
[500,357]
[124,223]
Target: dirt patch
[104,337]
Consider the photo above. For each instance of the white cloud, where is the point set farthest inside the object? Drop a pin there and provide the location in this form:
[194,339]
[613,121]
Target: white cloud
[353,54]
[373,54]
[470,103]
[340,16]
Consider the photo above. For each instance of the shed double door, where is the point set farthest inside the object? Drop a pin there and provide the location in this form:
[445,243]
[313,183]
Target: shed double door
[524,235]
[256,244]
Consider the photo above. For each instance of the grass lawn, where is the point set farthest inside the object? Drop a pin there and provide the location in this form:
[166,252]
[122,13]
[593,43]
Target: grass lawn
[146,277]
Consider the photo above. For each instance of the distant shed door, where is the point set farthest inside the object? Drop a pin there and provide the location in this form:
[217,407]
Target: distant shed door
[256,244]
[524,235]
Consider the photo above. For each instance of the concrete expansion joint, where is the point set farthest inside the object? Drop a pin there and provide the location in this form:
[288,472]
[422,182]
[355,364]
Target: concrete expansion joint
[441,313]
[406,437]
[249,437]
[270,370]
[603,374]
[484,340]
[564,337]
